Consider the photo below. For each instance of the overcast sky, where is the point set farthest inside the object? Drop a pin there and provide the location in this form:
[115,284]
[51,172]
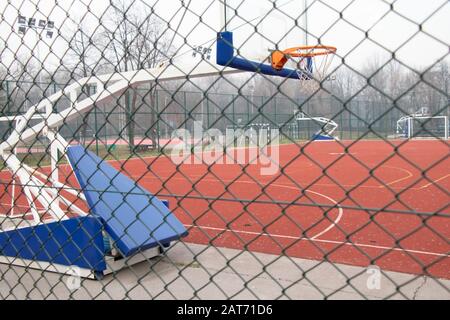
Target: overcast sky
[388,31]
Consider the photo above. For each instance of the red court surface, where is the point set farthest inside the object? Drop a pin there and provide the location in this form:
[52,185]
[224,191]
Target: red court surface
[357,203]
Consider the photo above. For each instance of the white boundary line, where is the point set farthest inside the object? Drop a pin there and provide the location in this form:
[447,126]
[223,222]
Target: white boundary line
[331,226]
[335,222]
[355,244]
[314,238]
[317,184]
[408,175]
[434,181]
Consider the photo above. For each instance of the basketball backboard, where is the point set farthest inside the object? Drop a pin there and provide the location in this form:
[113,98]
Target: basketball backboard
[260,26]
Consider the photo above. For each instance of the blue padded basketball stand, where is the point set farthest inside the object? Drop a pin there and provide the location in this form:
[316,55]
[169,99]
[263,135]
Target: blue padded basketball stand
[126,225]
[225,56]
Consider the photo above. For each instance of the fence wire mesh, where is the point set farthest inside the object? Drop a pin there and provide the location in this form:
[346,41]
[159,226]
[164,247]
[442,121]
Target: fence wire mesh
[142,159]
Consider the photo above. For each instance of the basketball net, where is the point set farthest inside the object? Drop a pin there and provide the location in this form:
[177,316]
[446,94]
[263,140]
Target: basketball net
[310,81]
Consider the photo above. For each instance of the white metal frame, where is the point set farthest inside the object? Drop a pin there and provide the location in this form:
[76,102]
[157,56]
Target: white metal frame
[45,190]
[409,121]
[112,264]
[328,123]
[38,187]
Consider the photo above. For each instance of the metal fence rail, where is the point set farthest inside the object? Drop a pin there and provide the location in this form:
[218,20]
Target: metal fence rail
[241,110]
[153,151]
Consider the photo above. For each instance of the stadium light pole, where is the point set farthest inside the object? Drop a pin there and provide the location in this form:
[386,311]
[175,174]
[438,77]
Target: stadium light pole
[252,90]
[305,5]
[38,27]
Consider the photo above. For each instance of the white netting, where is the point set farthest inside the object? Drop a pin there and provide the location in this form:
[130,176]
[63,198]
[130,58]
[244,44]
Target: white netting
[313,73]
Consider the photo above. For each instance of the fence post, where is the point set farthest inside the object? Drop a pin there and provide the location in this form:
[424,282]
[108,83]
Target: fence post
[350,126]
[275,108]
[233,108]
[8,110]
[96,131]
[207,109]
[185,111]
[250,107]
[156,109]
[105,127]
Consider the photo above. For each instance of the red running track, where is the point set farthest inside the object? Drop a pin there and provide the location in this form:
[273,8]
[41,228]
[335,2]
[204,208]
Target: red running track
[346,202]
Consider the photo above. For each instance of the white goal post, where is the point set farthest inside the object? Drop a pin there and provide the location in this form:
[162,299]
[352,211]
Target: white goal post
[327,126]
[423,126]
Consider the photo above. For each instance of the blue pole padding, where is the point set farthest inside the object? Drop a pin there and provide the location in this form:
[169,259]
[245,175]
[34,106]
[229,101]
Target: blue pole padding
[225,57]
[309,63]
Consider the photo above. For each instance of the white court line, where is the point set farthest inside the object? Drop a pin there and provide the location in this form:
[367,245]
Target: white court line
[355,244]
[434,181]
[331,226]
[335,222]
[408,175]
[317,184]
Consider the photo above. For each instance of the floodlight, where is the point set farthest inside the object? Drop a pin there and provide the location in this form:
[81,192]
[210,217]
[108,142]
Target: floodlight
[22,20]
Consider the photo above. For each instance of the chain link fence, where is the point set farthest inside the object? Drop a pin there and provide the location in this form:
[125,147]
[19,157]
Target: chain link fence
[159,150]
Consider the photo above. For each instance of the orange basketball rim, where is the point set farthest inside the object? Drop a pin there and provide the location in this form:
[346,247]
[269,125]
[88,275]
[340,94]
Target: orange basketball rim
[279,58]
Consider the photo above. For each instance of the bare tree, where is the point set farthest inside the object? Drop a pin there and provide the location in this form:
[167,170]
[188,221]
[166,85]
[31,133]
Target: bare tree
[20,77]
[438,87]
[83,59]
[3,91]
[3,79]
[136,39]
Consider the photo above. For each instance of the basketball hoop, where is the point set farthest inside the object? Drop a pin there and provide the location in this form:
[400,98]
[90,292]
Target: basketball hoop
[314,60]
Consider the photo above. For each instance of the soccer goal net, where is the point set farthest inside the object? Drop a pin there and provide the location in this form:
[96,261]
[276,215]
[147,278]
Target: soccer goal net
[416,127]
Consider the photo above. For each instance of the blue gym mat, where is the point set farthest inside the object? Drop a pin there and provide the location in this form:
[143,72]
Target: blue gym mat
[134,218]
